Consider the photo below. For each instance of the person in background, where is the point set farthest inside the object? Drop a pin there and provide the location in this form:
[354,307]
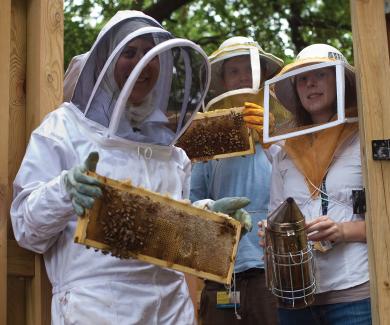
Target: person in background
[235,74]
[319,171]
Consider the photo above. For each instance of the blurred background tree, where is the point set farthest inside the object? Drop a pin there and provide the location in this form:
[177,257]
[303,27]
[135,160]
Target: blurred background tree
[282,27]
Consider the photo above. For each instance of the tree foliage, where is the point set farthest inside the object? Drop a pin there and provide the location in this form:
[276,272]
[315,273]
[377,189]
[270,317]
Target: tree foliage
[282,27]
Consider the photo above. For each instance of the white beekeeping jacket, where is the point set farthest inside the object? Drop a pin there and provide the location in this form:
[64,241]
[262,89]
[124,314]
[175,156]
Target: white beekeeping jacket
[89,287]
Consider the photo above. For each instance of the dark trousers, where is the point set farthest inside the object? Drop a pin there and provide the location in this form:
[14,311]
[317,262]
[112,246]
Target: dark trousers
[257,304]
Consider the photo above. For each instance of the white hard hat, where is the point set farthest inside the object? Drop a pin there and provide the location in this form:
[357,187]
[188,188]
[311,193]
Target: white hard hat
[312,54]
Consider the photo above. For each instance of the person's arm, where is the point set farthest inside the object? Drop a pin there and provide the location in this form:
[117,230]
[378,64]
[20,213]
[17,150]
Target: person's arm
[272,151]
[277,186]
[187,179]
[325,228]
[199,182]
[253,115]
[276,193]
[41,208]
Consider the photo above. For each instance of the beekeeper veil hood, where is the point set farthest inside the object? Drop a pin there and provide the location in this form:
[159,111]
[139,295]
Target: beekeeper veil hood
[238,70]
[139,83]
[316,66]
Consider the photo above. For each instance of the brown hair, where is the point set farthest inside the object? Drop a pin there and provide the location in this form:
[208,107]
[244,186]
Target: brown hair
[302,117]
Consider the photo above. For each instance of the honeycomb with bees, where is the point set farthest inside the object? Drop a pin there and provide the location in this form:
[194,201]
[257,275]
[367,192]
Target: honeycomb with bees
[131,222]
[217,134]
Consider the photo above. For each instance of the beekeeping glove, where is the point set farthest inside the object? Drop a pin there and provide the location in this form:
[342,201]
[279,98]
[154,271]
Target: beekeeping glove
[254,119]
[83,189]
[233,206]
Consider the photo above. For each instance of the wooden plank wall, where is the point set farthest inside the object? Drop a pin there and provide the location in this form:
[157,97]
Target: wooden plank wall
[5,41]
[45,59]
[373,79]
[18,258]
[31,76]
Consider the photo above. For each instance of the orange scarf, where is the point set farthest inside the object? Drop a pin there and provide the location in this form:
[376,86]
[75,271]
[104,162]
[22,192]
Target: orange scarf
[313,153]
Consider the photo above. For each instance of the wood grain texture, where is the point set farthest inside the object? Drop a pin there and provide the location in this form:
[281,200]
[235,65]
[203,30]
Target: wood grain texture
[373,79]
[20,262]
[17,106]
[38,295]
[45,25]
[5,41]
[16,300]
[31,81]
[44,88]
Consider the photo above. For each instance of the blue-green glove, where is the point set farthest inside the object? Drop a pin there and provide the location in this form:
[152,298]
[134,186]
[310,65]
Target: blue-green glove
[83,189]
[233,207]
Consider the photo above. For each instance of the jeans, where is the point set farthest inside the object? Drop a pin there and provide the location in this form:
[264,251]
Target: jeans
[348,313]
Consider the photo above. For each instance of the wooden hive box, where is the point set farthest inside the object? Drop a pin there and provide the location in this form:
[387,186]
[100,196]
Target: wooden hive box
[217,134]
[131,222]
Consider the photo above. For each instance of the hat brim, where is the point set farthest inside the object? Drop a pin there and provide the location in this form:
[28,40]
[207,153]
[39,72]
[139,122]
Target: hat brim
[286,94]
[273,66]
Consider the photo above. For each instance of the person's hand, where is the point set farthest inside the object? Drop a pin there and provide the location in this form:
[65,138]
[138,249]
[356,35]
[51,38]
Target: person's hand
[83,189]
[261,232]
[233,206]
[253,115]
[324,228]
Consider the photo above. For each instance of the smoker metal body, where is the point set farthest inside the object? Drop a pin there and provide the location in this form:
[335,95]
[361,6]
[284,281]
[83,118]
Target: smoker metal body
[289,257]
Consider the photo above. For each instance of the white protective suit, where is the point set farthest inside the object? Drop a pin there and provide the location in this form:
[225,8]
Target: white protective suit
[89,287]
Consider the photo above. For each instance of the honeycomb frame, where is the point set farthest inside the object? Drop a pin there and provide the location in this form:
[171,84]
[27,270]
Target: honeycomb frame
[211,257]
[201,136]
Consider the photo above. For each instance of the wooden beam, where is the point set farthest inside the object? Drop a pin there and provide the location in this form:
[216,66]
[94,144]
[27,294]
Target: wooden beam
[373,79]
[16,300]
[5,46]
[45,57]
[38,296]
[20,261]
[45,29]
[17,82]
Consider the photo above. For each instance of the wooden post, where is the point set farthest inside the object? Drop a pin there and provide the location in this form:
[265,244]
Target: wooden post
[31,79]
[45,59]
[5,43]
[16,303]
[373,80]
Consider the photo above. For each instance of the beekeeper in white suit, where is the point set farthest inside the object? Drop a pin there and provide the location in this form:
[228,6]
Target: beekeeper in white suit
[137,91]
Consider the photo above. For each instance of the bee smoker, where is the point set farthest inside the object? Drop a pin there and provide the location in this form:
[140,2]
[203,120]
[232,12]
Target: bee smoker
[289,257]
